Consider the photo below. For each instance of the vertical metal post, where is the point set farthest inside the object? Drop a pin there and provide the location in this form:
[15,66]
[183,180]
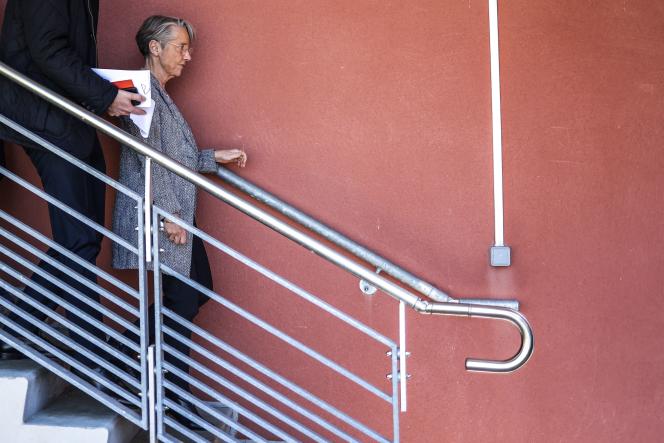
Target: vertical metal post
[148,209]
[395,394]
[143,316]
[152,396]
[403,374]
[158,329]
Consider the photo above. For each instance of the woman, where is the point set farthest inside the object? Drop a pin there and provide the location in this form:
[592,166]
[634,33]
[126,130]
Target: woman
[165,42]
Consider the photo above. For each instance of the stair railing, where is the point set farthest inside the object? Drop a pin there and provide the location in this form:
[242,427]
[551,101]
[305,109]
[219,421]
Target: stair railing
[98,365]
[148,246]
[281,227]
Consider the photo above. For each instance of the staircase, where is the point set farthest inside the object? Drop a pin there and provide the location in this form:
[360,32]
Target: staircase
[38,407]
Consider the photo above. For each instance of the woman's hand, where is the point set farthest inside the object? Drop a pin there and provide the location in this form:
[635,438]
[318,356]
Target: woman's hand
[175,233]
[231,156]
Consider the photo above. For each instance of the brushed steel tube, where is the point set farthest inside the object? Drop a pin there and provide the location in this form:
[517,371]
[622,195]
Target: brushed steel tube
[502,303]
[516,318]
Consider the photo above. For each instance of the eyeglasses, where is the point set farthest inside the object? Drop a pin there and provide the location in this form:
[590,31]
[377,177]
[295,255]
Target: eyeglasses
[184,48]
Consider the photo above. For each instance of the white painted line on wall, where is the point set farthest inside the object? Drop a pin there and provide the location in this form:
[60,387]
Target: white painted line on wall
[497,124]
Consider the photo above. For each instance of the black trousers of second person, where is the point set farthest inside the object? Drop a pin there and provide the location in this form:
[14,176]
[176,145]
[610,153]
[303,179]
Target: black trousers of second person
[185,301]
[86,195]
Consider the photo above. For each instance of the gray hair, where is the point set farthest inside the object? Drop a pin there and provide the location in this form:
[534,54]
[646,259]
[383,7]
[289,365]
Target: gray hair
[158,27]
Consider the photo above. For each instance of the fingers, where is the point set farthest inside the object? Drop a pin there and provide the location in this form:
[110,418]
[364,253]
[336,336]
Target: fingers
[182,237]
[175,233]
[240,157]
[122,105]
[136,97]
[231,156]
[179,238]
[136,111]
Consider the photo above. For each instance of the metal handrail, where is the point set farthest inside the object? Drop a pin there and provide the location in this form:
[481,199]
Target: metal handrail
[393,290]
[351,246]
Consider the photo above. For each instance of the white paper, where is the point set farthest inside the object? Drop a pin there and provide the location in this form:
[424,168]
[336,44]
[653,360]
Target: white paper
[140,79]
[143,121]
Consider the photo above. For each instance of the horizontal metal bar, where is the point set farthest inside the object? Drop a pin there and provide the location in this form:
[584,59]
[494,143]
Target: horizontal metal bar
[279,334]
[64,373]
[75,258]
[272,375]
[242,411]
[69,324]
[67,305]
[245,396]
[237,372]
[70,158]
[498,302]
[279,280]
[189,397]
[66,209]
[64,339]
[171,422]
[196,419]
[80,296]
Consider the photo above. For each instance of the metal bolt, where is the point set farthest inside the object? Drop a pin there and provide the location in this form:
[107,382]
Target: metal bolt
[367,288]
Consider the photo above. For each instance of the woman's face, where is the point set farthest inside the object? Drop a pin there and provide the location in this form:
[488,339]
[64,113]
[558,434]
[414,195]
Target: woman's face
[175,53]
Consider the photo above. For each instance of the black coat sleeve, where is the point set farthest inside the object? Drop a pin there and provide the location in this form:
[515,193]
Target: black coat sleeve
[47,37]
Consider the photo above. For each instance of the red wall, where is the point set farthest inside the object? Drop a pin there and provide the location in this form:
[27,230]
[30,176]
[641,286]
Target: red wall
[375,117]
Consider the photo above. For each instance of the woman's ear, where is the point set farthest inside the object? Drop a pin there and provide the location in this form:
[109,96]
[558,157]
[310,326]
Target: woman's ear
[155,47]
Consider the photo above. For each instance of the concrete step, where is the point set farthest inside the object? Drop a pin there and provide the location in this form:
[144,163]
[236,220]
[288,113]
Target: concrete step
[26,388]
[39,407]
[77,417]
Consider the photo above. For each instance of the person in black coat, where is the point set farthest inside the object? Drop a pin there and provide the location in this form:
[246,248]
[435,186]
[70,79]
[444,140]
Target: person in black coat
[53,42]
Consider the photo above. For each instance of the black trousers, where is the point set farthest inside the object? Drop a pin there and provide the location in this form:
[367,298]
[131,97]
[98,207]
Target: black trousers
[85,194]
[185,301]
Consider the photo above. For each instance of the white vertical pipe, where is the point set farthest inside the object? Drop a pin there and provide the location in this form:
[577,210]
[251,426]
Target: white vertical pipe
[497,124]
[403,379]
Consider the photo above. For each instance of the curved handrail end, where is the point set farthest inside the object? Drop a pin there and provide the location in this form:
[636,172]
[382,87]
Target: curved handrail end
[516,318]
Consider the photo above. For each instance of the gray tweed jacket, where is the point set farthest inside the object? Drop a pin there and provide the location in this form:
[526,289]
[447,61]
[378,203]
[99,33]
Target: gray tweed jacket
[170,134]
